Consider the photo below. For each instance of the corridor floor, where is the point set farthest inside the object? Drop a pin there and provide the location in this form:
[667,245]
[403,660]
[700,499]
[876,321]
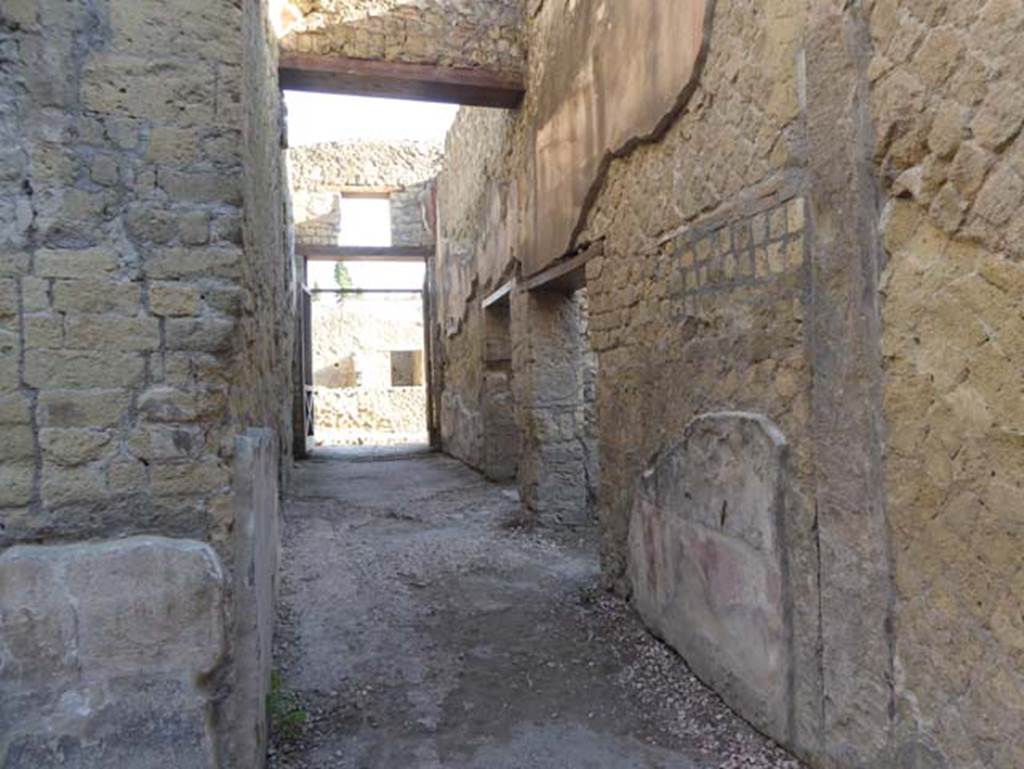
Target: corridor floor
[421,627]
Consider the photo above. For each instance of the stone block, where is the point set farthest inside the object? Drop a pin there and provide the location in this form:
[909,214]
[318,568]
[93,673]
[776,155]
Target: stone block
[194,228]
[177,263]
[35,294]
[170,404]
[10,348]
[201,335]
[196,477]
[112,332]
[72,408]
[8,299]
[42,331]
[15,409]
[151,224]
[62,486]
[203,186]
[16,483]
[706,561]
[18,443]
[97,296]
[151,442]
[106,649]
[165,91]
[61,369]
[169,145]
[127,476]
[104,170]
[180,299]
[75,263]
[72,446]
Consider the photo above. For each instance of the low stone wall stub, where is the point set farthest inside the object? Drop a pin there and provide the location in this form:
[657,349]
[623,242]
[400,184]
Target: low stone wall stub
[257,541]
[105,649]
[706,561]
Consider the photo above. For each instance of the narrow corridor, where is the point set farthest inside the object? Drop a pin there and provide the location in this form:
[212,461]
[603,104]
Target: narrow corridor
[422,627]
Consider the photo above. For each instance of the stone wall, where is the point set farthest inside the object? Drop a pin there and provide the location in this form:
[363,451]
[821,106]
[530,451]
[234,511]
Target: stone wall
[820,237]
[479,34]
[145,313]
[363,412]
[355,371]
[402,171]
[947,101]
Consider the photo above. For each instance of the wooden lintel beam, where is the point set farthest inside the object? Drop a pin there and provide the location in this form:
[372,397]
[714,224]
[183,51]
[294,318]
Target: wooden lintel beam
[566,275]
[497,296]
[316,253]
[364,77]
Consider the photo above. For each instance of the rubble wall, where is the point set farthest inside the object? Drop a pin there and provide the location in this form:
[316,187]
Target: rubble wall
[480,34]
[948,106]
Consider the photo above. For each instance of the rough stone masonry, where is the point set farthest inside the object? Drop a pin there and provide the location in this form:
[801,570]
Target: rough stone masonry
[753,284]
[802,264]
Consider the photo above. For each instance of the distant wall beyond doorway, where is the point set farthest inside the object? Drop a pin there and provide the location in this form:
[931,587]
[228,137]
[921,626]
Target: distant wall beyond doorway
[368,369]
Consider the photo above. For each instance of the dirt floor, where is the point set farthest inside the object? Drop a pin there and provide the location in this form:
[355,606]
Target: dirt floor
[421,627]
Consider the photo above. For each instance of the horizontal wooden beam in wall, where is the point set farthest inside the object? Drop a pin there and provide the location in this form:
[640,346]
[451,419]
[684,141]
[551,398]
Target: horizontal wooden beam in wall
[501,294]
[566,275]
[364,253]
[397,80]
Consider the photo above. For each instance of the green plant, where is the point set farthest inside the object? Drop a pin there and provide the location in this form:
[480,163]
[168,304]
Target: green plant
[287,716]
[342,278]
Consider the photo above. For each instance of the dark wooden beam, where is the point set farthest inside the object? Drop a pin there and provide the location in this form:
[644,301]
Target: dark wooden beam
[566,275]
[364,77]
[347,291]
[316,253]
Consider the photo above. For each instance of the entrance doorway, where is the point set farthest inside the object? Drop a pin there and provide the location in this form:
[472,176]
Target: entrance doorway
[361,177]
[369,377]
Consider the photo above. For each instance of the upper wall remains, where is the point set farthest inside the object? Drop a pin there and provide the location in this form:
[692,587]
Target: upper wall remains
[341,166]
[403,171]
[464,34]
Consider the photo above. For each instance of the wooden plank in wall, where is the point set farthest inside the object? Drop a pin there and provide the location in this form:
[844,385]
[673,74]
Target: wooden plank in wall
[364,253]
[364,77]
[566,275]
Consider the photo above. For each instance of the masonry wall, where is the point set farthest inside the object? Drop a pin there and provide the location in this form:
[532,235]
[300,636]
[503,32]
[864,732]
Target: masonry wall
[481,34]
[948,106]
[803,304]
[403,171]
[146,311]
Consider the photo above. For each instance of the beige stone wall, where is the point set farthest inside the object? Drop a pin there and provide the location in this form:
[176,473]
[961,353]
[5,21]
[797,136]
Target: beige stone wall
[358,413]
[129,284]
[403,170]
[337,166]
[145,285]
[948,104]
[484,34]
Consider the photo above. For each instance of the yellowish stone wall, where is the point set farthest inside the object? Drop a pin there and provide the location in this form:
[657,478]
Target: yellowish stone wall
[484,34]
[947,98]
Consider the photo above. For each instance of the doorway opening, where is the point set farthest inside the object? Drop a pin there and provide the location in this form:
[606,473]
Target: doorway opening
[368,354]
[362,187]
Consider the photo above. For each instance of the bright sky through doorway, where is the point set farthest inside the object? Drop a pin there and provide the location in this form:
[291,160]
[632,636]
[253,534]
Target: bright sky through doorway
[316,117]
